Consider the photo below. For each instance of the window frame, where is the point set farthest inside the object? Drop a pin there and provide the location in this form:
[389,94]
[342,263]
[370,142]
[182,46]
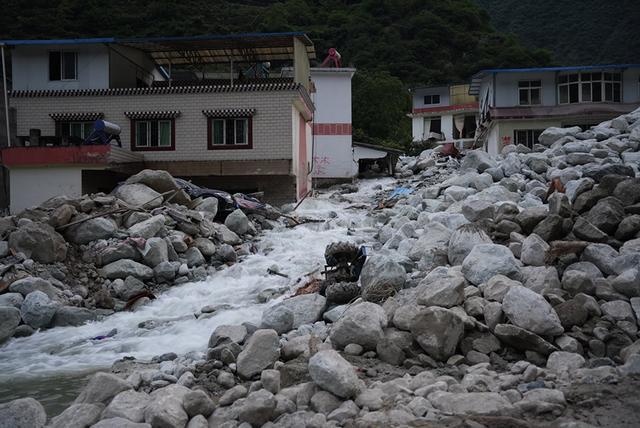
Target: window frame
[62,61]
[431,99]
[529,88]
[604,80]
[86,127]
[149,148]
[530,135]
[224,146]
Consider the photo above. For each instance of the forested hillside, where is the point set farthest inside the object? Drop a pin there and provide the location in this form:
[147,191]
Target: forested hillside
[575,31]
[393,43]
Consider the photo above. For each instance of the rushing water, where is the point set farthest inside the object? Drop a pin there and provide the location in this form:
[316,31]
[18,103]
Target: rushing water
[51,365]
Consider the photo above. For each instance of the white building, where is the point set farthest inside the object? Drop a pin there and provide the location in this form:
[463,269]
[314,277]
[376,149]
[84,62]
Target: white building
[234,124]
[443,113]
[333,158]
[516,105]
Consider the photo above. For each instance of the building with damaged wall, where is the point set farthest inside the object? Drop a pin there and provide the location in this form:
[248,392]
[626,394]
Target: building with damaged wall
[247,129]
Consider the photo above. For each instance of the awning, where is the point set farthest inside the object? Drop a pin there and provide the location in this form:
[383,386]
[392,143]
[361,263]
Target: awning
[80,117]
[230,112]
[152,114]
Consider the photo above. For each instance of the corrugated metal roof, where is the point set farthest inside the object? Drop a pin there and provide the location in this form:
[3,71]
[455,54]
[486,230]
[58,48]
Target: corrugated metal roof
[245,47]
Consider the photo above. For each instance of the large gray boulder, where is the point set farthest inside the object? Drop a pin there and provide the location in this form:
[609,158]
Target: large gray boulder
[306,308]
[77,416]
[534,250]
[128,288]
[381,277]
[160,181]
[72,316]
[487,260]
[463,239]
[237,222]
[147,228]
[436,239]
[553,134]
[601,255]
[279,319]
[522,339]
[102,387]
[22,413]
[333,373]
[438,331]
[471,403]
[628,283]
[119,423]
[9,321]
[478,160]
[362,324]
[606,215]
[124,268]
[11,299]
[258,408]
[40,242]
[165,407]
[208,205]
[128,404]
[529,310]
[155,252]
[38,309]
[137,195]
[561,361]
[29,284]
[260,352]
[234,333]
[91,230]
[441,287]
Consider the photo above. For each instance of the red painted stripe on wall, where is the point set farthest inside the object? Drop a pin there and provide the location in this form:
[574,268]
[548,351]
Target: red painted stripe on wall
[332,129]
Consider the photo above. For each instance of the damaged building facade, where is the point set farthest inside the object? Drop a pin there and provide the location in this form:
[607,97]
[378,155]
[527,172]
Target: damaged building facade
[443,114]
[517,104]
[217,110]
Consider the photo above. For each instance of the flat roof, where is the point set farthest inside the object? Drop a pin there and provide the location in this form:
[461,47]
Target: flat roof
[376,147]
[203,49]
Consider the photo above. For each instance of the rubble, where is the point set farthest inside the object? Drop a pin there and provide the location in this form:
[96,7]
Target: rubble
[493,286]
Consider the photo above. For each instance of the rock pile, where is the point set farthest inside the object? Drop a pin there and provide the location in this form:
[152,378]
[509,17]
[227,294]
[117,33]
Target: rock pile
[70,261]
[509,279]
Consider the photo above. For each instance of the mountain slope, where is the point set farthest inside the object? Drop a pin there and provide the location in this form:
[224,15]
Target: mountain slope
[576,31]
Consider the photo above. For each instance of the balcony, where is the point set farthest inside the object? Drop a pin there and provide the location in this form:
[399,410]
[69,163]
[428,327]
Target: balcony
[81,156]
[585,109]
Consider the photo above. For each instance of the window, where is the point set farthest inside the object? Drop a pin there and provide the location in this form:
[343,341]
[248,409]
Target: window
[589,87]
[432,99]
[529,92]
[228,133]
[74,129]
[436,125]
[153,134]
[527,137]
[63,65]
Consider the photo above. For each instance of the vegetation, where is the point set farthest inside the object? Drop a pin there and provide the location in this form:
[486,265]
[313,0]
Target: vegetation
[576,31]
[394,44]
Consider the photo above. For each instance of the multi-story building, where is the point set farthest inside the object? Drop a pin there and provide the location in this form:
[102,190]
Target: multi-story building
[443,113]
[214,109]
[516,105]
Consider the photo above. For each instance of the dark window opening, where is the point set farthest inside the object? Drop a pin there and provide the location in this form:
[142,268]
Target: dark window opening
[63,65]
[526,137]
[432,99]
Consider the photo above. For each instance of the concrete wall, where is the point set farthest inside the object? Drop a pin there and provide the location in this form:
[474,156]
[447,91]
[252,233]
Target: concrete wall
[333,154]
[631,86]
[128,64]
[418,96]
[502,131]
[32,186]
[30,67]
[272,123]
[507,88]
